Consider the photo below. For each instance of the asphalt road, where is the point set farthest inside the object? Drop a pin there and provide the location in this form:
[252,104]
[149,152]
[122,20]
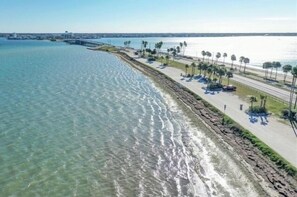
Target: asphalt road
[269,89]
[274,91]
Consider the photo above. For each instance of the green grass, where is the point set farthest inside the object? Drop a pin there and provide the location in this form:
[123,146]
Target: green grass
[107,48]
[265,150]
[279,84]
[273,105]
[173,63]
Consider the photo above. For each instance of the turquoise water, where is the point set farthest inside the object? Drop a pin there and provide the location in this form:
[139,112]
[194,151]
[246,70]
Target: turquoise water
[76,122]
[258,49]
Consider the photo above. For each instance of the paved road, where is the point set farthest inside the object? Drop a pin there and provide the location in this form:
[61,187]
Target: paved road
[275,134]
[274,91]
[269,89]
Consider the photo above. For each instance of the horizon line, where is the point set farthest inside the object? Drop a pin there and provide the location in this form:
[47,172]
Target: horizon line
[151,32]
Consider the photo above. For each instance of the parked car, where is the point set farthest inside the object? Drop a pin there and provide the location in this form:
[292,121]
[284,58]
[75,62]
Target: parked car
[214,86]
[229,88]
[151,59]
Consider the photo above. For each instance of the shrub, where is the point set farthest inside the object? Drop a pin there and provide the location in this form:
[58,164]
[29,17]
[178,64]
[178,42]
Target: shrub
[213,86]
[257,110]
[285,113]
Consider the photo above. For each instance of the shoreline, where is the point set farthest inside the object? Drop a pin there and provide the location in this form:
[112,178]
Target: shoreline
[260,165]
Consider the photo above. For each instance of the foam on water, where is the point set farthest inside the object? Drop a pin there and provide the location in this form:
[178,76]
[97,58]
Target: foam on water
[81,123]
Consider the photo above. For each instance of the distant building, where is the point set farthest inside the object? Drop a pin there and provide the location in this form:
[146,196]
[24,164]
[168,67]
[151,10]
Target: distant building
[67,35]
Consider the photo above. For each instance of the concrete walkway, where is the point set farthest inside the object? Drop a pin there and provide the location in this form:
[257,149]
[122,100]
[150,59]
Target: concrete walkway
[279,93]
[275,134]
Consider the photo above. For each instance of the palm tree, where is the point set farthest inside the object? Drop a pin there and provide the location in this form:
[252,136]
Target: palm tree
[286,68]
[143,46]
[276,65]
[186,67]
[200,68]
[193,68]
[174,52]
[181,45]
[209,71]
[162,58]
[266,66]
[204,68]
[271,69]
[295,100]
[208,54]
[262,100]
[233,58]
[224,55]
[158,46]
[218,55]
[221,72]
[167,59]
[178,49]
[294,74]
[229,75]
[215,70]
[253,99]
[185,46]
[203,53]
[241,60]
[246,61]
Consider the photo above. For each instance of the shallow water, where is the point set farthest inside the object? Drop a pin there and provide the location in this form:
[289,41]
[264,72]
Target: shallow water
[76,122]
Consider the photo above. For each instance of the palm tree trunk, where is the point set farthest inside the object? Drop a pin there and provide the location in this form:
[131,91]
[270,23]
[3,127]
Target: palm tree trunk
[295,102]
[275,73]
[285,76]
[291,96]
[266,73]
[271,72]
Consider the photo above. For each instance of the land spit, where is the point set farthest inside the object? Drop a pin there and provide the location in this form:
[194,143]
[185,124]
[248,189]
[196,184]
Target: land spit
[265,171]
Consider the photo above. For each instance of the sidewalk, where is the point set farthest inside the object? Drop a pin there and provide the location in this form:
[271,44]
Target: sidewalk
[280,137]
[269,89]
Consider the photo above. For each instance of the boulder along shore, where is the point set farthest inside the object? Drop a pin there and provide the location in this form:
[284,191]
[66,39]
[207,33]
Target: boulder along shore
[261,166]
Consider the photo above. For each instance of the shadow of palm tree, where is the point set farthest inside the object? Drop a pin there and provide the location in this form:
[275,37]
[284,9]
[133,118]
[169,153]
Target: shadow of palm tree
[294,126]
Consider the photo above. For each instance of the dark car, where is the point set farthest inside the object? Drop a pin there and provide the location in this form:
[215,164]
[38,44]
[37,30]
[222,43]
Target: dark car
[229,88]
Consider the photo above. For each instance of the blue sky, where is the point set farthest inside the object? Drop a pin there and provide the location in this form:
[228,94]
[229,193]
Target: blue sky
[126,16]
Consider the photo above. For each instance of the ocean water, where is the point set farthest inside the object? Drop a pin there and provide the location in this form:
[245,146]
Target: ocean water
[258,49]
[76,122]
